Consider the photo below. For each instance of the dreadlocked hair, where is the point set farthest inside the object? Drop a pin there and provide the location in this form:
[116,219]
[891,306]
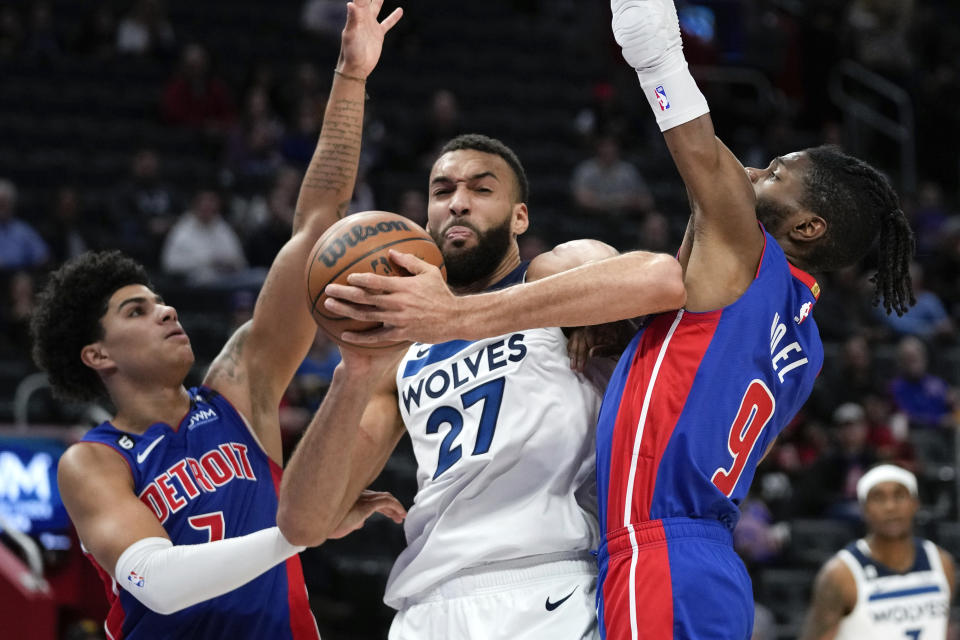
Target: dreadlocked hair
[67,318]
[859,205]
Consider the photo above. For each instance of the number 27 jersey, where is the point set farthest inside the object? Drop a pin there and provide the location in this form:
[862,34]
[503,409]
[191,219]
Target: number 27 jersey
[503,433]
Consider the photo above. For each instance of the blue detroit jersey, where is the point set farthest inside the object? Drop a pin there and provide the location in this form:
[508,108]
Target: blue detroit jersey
[697,398]
[692,407]
[207,479]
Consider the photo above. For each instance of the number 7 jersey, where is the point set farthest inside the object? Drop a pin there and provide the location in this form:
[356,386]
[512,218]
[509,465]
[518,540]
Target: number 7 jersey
[697,399]
[503,433]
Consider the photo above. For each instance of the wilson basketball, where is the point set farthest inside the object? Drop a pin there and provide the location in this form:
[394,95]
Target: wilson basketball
[360,243]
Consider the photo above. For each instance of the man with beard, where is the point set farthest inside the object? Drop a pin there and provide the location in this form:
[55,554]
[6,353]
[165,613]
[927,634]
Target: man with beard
[888,584]
[505,516]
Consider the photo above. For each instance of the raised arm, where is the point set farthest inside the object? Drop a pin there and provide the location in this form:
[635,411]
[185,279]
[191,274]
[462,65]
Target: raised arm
[720,257]
[579,283]
[258,362]
[834,597]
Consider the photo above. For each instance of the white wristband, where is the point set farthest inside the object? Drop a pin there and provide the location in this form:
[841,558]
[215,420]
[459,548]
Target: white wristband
[674,97]
[164,576]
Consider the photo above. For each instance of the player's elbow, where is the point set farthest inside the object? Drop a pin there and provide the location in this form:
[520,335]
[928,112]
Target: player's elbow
[665,274]
[299,530]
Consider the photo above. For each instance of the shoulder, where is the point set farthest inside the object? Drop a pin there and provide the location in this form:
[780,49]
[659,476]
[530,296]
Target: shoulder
[86,462]
[836,579]
[568,255]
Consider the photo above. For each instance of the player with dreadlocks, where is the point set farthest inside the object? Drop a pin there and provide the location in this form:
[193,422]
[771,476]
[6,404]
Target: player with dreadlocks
[700,394]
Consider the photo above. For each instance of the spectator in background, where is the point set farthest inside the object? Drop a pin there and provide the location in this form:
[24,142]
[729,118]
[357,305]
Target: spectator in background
[201,246]
[297,144]
[925,399]
[66,232]
[43,41]
[441,122]
[880,35]
[144,208]
[252,151]
[11,32]
[21,247]
[145,30]
[96,34]
[927,319]
[928,217]
[944,272]
[851,379]
[15,314]
[194,97]
[413,205]
[655,233]
[608,186]
[269,236]
[829,487]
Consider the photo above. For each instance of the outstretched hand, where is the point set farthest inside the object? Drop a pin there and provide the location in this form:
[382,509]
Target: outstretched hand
[416,308]
[362,40]
[367,504]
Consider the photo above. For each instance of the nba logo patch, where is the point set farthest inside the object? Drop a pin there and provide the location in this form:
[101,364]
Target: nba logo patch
[662,98]
[134,579]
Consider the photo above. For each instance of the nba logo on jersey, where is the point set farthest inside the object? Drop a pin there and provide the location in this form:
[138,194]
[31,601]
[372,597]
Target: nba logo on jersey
[662,98]
[134,579]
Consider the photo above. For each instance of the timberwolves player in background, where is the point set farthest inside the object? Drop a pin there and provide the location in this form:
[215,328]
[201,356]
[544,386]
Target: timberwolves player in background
[889,585]
[175,498]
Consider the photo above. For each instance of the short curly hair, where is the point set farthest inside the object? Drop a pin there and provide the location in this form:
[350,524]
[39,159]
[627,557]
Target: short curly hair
[485,144]
[67,318]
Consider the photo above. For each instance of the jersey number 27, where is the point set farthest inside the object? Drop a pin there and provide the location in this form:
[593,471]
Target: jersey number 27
[491,393]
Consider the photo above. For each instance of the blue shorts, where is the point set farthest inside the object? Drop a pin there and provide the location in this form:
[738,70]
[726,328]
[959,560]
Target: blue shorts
[673,578]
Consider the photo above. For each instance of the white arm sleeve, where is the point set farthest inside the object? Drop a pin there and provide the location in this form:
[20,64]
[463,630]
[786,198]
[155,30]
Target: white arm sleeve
[167,578]
[649,34]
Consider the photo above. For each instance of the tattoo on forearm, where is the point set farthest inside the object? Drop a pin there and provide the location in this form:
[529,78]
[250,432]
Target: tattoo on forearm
[334,166]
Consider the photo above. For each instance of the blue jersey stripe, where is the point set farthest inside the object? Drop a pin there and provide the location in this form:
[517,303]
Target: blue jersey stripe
[904,592]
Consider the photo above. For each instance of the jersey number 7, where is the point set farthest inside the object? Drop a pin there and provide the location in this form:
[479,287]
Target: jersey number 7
[755,411]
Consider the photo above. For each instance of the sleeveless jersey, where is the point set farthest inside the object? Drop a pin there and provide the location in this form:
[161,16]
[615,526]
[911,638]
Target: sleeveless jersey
[697,399]
[503,433]
[896,606]
[205,480]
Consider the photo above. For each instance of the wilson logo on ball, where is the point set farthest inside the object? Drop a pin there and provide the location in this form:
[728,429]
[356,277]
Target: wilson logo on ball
[355,235]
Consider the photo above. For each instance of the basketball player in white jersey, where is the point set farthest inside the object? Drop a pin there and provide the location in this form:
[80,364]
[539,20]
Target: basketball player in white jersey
[888,585]
[502,528]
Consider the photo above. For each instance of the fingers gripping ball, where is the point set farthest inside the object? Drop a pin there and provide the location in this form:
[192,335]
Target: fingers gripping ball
[361,243]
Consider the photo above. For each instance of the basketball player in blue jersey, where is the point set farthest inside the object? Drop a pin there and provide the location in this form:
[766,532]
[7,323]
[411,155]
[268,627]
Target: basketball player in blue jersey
[700,393]
[175,497]
[888,585]
[500,535]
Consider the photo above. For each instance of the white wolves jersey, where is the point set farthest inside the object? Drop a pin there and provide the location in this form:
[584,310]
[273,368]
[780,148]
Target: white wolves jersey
[503,431]
[914,605]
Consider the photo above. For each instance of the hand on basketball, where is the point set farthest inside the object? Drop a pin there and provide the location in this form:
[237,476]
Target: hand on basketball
[367,504]
[362,38]
[419,308]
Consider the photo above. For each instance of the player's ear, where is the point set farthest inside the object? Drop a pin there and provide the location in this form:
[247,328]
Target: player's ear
[521,218]
[95,356]
[807,227]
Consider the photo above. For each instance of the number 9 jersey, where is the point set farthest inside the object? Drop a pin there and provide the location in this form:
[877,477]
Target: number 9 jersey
[693,405]
[503,432]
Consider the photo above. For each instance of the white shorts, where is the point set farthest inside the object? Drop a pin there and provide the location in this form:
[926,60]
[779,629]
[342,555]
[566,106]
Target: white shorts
[526,599]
